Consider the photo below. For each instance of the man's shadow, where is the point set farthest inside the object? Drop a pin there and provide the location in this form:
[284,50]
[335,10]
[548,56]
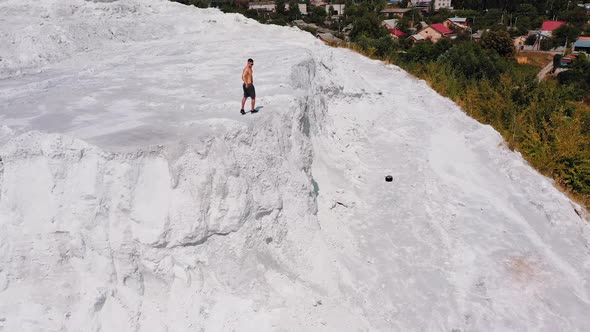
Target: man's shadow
[257,109]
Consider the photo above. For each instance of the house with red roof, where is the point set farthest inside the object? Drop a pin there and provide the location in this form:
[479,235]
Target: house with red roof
[395,33]
[548,27]
[434,32]
[391,26]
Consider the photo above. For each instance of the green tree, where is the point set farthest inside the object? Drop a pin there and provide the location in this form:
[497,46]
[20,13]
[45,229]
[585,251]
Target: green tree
[368,25]
[442,46]
[523,24]
[498,41]
[530,40]
[251,13]
[280,4]
[471,61]
[294,12]
[491,17]
[526,10]
[384,46]
[421,52]
[578,76]
[556,61]
[565,33]
[468,4]
[318,14]
[547,44]
[441,16]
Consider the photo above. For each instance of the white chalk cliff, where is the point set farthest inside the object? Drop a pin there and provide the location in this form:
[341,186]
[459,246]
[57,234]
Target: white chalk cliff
[135,197]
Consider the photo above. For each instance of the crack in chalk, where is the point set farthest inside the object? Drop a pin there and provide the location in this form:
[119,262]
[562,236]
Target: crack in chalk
[263,213]
[1,175]
[202,240]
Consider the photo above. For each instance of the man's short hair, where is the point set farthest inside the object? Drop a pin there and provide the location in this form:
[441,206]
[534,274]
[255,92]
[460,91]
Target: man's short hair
[250,60]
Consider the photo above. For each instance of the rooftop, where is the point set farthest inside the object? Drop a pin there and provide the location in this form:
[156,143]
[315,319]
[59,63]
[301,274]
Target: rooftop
[441,28]
[391,23]
[552,25]
[582,43]
[417,37]
[458,19]
[397,33]
[396,10]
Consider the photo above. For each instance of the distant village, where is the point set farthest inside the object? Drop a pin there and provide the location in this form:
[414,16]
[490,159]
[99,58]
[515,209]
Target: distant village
[417,31]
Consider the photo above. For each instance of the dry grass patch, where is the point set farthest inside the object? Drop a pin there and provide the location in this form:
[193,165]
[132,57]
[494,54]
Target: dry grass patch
[536,58]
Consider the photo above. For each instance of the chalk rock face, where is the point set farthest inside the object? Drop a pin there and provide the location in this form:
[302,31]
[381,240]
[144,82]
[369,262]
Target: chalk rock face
[135,197]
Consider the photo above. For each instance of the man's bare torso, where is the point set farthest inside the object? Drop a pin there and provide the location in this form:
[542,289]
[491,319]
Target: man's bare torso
[247,75]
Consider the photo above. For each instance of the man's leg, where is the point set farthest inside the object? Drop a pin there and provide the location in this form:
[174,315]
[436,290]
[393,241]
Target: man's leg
[243,102]
[253,103]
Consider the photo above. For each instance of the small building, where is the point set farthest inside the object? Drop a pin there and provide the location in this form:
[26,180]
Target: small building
[435,32]
[329,38]
[302,8]
[335,9]
[440,4]
[458,22]
[567,60]
[548,27]
[303,25]
[423,5]
[416,38]
[396,33]
[419,3]
[395,12]
[390,24]
[476,36]
[263,6]
[270,7]
[520,42]
[426,4]
[585,6]
[582,44]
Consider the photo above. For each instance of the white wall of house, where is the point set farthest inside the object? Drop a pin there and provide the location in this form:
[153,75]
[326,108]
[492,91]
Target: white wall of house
[262,6]
[418,3]
[338,9]
[303,8]
[438,4]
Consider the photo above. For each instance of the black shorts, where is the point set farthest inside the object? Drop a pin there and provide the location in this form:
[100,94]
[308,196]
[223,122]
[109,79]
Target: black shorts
[249,92]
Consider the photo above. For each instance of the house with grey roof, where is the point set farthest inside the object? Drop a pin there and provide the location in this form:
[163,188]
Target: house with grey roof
[582,44]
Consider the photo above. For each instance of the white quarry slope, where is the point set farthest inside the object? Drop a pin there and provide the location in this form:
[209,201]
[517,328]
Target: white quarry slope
[135,197]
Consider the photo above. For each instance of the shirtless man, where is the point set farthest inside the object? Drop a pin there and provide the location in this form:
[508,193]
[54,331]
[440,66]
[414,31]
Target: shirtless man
[248,86]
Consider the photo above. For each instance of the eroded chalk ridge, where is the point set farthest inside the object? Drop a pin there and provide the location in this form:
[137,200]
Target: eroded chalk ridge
[141,221]
[91,233]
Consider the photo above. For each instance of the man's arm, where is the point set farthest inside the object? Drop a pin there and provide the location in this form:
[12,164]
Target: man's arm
[244,77]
